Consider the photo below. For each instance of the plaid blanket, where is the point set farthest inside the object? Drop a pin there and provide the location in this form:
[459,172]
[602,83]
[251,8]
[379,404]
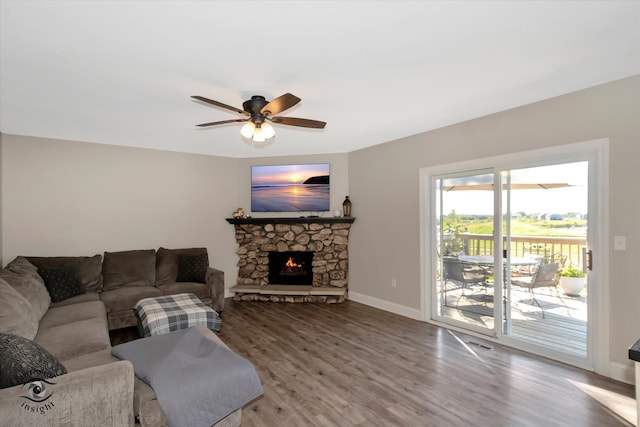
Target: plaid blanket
[161,315]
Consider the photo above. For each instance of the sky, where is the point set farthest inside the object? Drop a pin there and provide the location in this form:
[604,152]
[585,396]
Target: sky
[286,174]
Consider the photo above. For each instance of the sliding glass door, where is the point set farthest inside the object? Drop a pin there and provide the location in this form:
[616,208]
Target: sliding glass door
[500,259]
[545,217]
[464,265]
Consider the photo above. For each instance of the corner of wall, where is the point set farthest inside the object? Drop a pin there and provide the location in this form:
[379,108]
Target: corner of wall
[1,223]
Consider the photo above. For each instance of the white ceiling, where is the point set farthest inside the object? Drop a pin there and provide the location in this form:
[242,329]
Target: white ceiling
[122,72]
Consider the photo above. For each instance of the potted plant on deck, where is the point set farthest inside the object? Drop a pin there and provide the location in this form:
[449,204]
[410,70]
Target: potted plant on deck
[572,280]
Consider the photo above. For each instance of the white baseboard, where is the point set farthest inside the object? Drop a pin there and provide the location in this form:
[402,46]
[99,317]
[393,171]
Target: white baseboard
[402,310]
[623,373]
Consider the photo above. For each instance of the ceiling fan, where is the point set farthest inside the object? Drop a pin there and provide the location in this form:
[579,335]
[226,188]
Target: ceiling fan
[258,111]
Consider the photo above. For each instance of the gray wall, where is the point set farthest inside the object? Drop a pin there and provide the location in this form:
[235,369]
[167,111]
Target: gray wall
[384,187]
[74,198]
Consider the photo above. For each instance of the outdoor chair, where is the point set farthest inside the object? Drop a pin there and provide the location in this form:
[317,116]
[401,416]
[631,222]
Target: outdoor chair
[527,270]
[463,274]
[545,276]
[560,259]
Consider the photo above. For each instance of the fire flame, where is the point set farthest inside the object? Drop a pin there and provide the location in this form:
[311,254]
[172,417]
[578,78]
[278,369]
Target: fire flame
[291,263]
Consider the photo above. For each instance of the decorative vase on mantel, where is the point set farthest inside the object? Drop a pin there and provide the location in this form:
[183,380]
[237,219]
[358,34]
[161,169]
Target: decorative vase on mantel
[238,214]
[346,207]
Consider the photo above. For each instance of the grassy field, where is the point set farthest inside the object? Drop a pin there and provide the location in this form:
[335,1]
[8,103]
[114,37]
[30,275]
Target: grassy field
[526,227]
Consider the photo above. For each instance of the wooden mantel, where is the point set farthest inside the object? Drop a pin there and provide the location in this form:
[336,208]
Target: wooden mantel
[292,220]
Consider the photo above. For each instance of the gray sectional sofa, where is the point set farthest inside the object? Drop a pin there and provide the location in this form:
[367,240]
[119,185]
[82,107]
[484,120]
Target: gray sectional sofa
[71,336]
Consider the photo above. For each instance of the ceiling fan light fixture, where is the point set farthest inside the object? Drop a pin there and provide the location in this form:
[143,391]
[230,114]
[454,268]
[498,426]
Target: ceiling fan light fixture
[267,130]
[247,129]
[258,136]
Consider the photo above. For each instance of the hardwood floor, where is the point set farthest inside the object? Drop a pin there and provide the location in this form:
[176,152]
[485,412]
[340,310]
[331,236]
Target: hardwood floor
[352,365]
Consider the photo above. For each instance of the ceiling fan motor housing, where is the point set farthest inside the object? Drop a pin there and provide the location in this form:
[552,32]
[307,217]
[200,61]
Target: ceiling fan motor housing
[254,107]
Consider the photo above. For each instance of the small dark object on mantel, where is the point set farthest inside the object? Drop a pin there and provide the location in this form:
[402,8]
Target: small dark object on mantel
[346,207]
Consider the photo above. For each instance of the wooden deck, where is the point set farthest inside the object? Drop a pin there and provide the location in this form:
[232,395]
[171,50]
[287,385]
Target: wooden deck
[563,327]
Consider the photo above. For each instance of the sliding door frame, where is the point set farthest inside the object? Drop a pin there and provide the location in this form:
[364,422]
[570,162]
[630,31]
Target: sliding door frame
[597,153]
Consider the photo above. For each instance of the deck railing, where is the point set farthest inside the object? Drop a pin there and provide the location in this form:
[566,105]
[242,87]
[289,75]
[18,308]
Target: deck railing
[571,248]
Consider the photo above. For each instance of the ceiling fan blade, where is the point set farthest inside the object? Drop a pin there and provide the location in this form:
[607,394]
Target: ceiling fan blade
[222,122]
[220,104]
[305,123]
[280,104]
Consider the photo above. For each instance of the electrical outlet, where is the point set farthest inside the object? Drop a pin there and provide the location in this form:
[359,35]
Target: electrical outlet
[394,283]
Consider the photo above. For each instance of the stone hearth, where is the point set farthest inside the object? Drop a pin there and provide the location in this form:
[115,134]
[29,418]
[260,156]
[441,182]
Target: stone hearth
[326,238]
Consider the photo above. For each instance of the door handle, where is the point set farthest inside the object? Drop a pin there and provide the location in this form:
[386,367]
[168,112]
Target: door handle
[589,259]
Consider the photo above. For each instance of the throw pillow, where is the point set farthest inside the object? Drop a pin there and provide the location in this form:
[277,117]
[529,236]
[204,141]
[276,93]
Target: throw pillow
[62,282]
[24,277]
[192,268]
[22,360]
[17,315]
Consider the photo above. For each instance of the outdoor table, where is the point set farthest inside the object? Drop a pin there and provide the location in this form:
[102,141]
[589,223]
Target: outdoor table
[489,260]
[486,261]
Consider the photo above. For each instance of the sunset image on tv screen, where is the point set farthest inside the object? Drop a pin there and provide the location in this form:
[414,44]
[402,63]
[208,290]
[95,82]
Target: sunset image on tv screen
[290,188]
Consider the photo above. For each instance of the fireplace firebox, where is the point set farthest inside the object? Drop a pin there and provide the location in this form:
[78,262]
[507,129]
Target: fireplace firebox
[290,268]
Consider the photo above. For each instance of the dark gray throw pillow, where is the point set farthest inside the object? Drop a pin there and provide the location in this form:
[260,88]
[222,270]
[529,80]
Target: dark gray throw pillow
[22,360]
[62,282]
[192,268]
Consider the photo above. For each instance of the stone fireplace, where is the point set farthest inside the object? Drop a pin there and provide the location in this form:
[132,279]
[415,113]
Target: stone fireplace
[292,259]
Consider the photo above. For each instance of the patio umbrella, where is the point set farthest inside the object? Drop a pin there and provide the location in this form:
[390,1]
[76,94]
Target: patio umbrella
[514,186]
[485,182]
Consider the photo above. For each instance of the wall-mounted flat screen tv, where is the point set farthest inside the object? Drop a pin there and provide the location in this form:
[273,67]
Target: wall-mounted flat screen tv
[290,188]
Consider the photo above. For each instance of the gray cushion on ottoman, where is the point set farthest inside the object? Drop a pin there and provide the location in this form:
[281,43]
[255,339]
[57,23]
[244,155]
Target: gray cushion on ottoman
[129,268]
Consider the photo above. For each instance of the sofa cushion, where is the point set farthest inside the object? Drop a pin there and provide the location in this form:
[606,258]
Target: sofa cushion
[76,338]
[62,282]
[24,277]
[63,315]
[89,296]
[89,360]
[22,360]
[129,268]
[167,262]
[192,268]
[16,313]
[89,268]
[202,291]
[125,298]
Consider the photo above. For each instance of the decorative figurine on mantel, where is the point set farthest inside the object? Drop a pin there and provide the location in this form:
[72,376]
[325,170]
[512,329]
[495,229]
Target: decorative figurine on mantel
[238,214]
[346,207]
